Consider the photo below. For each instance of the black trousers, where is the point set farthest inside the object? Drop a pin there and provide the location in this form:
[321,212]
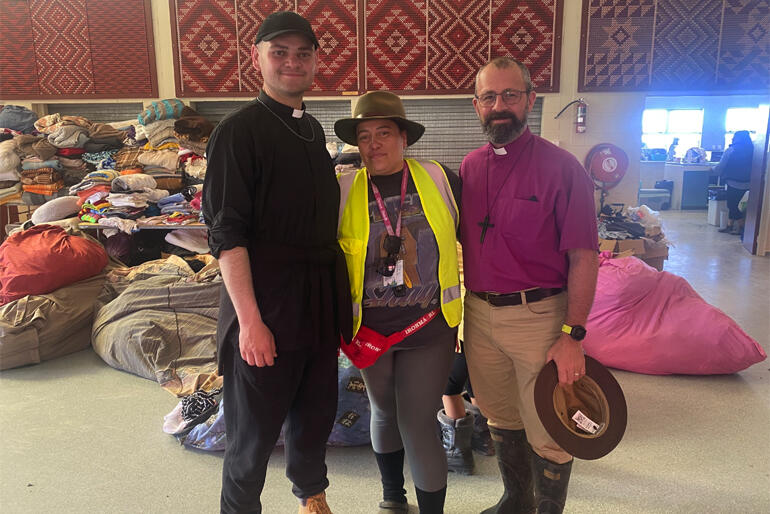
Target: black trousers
[733,198]
[301,388]
[458,377]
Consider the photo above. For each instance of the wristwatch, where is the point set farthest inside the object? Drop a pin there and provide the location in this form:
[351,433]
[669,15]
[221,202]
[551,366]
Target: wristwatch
[576,332]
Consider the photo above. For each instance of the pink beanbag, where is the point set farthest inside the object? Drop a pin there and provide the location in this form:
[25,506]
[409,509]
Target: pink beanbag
[654,322]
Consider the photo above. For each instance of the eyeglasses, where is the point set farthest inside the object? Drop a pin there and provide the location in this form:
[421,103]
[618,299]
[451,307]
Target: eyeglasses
[509,96]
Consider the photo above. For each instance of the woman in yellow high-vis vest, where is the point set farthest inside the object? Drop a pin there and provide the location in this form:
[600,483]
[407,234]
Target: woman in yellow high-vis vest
[397,227]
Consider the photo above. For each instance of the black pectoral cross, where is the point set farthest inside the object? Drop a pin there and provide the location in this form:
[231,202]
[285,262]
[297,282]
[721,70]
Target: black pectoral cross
[484,226]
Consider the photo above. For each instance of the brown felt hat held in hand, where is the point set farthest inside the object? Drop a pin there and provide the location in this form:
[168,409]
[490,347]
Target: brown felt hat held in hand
[588,418]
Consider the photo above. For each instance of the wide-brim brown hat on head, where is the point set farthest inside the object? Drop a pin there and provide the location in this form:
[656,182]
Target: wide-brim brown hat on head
[378,105]
[588,418]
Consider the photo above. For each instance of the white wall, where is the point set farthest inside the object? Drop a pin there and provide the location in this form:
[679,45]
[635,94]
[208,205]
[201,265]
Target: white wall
[612,117]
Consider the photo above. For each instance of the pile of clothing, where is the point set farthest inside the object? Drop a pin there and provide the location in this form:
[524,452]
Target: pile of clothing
[630,223]
[42,158]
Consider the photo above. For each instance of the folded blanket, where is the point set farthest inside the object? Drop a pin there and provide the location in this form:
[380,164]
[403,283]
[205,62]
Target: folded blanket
[193,128]
[105,133]
[17,118]
[159,132]
[162,110]
[41,189]
[135,182]
[127,158]
[69,136]
[40,176]
[48,123]
[68,162]
[34,146]
[128,199]
[164,158]
[35,163]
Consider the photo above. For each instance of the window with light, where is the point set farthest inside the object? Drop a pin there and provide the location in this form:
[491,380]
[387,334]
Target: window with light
[753,119]
[661,126]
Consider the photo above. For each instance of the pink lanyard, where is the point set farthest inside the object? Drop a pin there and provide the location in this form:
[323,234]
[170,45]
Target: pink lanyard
[381,204]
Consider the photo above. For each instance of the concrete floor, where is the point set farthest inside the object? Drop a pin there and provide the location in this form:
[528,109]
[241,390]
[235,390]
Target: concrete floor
[79,436]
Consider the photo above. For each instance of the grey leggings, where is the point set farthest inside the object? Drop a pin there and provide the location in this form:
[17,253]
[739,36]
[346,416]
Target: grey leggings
[404,388]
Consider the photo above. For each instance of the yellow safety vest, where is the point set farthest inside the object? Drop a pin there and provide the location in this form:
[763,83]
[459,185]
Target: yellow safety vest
[441,212]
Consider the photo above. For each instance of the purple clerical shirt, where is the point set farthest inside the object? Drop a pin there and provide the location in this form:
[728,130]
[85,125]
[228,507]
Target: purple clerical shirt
[541,203]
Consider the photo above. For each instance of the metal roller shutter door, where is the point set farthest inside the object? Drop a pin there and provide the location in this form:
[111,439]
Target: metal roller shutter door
[326,112]
[99,112]
[451,126]
[452,129]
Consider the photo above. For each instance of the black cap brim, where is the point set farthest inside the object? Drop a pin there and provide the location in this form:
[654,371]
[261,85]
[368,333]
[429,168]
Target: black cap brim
[273,35]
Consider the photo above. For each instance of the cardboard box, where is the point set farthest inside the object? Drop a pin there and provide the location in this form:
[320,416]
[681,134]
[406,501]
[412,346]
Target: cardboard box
[655,262]
[622,245]
[655,249]
[650,251]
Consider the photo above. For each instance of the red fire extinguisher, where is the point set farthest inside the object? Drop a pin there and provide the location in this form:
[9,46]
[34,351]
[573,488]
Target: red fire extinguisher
[581,113]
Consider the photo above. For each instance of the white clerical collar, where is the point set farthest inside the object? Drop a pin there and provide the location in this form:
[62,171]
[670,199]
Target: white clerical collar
[500,151]
[297,113]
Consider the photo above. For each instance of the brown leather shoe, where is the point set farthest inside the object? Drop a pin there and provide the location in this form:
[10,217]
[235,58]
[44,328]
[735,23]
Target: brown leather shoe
[315,505]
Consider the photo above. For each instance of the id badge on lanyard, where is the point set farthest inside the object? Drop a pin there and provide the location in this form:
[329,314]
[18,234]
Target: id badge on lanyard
[393,260]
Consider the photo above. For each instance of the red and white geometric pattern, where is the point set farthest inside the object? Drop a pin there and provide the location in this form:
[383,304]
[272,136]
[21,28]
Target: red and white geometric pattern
[458,43]
[407,45]
[524,30]
[208,46]
[75,49]
[396,34]
[335,24]
[17,52]
[62,51]
[119,47]
[250,15]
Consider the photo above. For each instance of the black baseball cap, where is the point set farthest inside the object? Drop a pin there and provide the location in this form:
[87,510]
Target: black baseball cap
[282,22]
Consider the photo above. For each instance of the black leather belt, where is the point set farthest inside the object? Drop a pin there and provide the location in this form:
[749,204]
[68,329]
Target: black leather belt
[504,300]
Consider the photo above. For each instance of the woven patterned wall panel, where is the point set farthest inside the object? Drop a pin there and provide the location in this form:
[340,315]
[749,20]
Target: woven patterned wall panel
[618,35]
[407,46]
[63,54]
[213,40]
[77,49]
[396,52]
[686,44]
[121,48]
[335,23]
[744,59]
[17,52]
[526,30]
[459,42]
[249,16]
[207,46]
[675,45]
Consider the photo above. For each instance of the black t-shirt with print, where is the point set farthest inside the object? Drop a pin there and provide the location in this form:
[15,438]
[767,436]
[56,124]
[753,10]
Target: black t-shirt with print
[382,310]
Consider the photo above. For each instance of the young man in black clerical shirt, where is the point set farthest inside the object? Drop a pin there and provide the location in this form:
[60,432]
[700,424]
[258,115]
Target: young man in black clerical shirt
[271,203]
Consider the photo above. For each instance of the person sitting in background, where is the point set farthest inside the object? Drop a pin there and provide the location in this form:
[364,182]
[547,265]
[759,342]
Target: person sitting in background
[734,169]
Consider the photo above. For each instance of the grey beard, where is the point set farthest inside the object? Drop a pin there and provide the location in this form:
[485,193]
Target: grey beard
[503,134]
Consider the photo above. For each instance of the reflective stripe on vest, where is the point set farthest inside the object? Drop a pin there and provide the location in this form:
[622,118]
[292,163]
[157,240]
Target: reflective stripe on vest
[441,212]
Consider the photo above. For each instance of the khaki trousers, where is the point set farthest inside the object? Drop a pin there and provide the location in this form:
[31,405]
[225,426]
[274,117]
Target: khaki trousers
[505,348]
